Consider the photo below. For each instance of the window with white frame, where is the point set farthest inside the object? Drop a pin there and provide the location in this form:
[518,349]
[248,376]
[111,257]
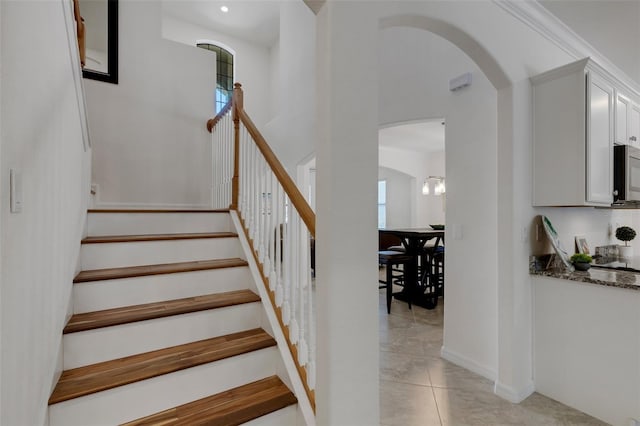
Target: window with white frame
[224,74]
[382,204]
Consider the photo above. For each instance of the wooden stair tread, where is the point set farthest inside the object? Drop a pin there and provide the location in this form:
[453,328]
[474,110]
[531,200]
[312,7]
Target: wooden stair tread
[164,268]
[94,378]
[157,237]
[128,314]
[232,407]
[158,211]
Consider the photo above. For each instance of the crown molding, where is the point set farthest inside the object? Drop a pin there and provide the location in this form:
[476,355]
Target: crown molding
[541,20]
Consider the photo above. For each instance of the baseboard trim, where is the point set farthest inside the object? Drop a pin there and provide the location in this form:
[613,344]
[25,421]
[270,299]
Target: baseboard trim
[512,394]
[468,363]
[151,206]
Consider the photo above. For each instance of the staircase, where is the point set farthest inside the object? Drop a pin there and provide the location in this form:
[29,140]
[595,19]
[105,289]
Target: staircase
[168,328]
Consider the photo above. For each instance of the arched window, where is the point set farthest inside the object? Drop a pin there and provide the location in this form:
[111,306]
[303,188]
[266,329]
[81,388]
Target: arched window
[224,74]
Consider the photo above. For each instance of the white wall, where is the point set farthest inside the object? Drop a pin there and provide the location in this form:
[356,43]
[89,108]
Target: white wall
[611,26]
[250,62]
[425,209]
[151,147]
[279,82]
[291,129]
[347,390]
[276,84]
[424,66]
[41,136]
[400,199]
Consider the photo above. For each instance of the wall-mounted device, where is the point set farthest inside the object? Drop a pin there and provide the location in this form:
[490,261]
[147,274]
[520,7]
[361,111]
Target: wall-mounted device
[460,82]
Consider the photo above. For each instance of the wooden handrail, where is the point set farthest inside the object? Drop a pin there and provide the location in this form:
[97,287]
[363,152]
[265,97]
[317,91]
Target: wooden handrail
[80,31]
[211,123]
[299,203]
[297,199]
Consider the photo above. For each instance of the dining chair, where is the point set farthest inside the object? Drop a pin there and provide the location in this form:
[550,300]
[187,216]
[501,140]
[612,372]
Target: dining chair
[392,260]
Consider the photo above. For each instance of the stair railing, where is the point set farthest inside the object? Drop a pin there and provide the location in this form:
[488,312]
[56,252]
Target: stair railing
[278,222]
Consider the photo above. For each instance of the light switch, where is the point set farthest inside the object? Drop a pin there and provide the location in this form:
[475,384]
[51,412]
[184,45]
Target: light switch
[15,181]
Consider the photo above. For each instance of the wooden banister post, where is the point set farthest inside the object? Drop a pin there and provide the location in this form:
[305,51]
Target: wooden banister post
[235,181]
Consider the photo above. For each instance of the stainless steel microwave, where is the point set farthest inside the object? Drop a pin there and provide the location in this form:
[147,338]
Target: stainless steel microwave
[626,174]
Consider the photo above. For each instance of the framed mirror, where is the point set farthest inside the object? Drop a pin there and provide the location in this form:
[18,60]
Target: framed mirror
[101,39]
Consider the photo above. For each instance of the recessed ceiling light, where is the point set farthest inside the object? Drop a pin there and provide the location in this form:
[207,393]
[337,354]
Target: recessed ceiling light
[225,9]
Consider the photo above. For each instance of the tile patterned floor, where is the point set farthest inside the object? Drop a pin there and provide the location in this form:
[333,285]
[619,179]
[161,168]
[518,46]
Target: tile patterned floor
[418,387]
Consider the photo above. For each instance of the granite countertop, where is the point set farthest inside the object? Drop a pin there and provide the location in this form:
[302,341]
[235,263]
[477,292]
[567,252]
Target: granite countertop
[595,275]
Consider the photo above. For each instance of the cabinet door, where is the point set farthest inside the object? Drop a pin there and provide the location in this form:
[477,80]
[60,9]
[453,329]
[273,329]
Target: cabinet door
[599,140]
[634,125]
[623,106]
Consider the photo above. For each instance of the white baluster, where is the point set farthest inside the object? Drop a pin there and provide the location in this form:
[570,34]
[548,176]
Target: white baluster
[256,210]
[216,160]
[223,164]
[280,246]
[311,374]
[268,232]
[218,178]
[244,178]
[303,265]
[252,183]
[262,213]
[286,263]
[311,327]
[225,160]
[279,236]
[294,329]
[226,142]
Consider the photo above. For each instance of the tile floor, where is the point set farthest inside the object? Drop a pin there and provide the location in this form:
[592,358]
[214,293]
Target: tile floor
[418,387]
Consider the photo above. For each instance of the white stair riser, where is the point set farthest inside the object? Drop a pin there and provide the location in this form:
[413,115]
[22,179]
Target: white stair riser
[285,416]
[114,255]
[107,294]
[156,223]
[107,343]
[129,402]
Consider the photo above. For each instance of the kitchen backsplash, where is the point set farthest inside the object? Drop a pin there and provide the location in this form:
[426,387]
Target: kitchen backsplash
[591,223]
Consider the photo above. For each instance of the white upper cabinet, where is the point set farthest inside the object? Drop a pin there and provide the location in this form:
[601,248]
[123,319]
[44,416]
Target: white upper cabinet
[573,134]
[627,121]
[599,135]
[623,108]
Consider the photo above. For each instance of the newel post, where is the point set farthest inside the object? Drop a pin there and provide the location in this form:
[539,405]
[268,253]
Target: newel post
[237,106]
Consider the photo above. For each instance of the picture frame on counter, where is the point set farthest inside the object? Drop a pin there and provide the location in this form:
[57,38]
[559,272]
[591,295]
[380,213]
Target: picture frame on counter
[555,242]
[582,245]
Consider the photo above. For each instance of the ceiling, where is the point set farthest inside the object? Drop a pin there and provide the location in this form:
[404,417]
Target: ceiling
[257,21]
[423,137]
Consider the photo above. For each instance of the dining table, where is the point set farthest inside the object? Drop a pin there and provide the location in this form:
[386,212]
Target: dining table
[418,290]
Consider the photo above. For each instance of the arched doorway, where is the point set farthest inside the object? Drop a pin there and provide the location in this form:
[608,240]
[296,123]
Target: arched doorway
[347,166]
[425,65]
